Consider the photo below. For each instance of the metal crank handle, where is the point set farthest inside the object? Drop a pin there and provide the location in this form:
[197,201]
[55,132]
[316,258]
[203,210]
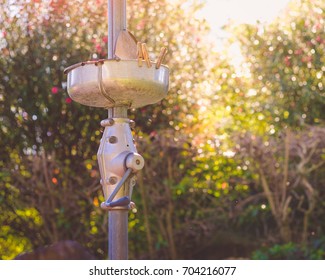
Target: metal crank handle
[123,201]
[134,162]
[108,202]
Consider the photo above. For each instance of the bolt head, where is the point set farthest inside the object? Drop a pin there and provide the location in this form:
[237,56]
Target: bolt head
[112,180]
[112,140]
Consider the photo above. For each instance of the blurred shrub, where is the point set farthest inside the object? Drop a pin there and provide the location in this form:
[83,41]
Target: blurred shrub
[314,250]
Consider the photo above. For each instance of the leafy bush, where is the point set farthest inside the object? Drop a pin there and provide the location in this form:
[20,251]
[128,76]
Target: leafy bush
[314,250]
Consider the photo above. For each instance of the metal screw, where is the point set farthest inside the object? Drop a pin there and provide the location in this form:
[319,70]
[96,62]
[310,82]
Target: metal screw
[112,180]
[137,161]
[112,139]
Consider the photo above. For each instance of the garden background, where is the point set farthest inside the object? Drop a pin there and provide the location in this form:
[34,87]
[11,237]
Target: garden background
[234,155]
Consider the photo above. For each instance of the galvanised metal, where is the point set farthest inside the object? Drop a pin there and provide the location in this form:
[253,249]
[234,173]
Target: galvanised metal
[118,235]
[111,83]
[115,157]
[117,85]
[116,23]
[118,162]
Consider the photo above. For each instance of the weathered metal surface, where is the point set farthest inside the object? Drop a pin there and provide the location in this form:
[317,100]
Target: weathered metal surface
[114,83]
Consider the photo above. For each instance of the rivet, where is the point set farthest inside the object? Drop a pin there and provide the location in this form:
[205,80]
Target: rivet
[137,161]
[112,180]
[112,139]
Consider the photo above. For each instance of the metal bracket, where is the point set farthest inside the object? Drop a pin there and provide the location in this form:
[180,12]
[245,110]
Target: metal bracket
[134,162]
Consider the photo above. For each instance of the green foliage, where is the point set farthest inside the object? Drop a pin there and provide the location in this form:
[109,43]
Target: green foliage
[286,61]
[284,65]
[49,142]
[199,177]
[315,250]
[12,244]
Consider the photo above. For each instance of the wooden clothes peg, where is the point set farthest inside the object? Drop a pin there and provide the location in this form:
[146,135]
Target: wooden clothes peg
[161,57]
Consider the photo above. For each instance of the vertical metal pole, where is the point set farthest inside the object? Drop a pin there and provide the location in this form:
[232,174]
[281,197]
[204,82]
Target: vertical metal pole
[118,219]
[116,23]
[118,235]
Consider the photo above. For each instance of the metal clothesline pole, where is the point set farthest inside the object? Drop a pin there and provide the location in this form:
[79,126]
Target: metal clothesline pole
[117,84]
[116,23]
[117,219]
[117,224]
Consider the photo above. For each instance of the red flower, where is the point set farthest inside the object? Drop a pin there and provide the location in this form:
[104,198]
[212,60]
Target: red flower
[287,61]
[298,51]
[98,48]
[55,90]
[68,100]
[306,59]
